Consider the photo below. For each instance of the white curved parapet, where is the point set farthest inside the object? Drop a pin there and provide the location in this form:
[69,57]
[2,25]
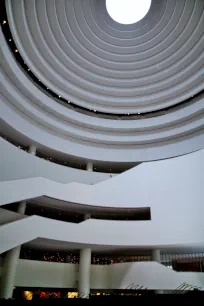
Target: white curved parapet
[134,275]
[175,196]
[17,164]
[151,275]
[169,232]
[173,183]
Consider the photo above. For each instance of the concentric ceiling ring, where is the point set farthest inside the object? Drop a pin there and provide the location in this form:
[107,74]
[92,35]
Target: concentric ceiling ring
[78,51]
[37,118]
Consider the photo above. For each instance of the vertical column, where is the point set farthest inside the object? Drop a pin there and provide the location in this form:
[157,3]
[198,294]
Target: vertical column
[67,259]
[85,260]
[89,166]
[84,273]
[21,207]
[10,264]
[87,216]
[156,256]
[32,149]
[9,272]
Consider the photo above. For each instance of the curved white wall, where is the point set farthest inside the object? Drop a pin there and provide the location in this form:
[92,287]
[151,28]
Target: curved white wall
[174,184]
[17,164]
[170,230]
[173,189]
[31,273]
[150,275]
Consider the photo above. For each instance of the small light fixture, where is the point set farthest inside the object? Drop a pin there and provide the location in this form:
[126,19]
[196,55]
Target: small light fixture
[59,96]
[16,50]
[138,113]
[10,39]
[4,22]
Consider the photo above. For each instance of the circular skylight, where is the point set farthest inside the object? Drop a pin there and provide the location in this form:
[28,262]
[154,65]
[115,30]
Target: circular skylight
[127,11]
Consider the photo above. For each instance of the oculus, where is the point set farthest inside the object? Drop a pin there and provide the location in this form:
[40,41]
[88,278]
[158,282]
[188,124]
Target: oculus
[127,11]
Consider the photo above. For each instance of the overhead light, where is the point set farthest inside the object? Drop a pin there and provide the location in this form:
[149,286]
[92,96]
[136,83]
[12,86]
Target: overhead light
[4,22]
[10,39]
[16,50]
[59,96]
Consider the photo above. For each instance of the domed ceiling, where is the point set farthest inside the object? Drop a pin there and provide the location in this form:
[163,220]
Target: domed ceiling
[78,51]
[105,92]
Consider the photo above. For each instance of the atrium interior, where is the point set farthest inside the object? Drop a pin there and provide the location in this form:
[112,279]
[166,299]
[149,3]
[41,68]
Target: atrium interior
[101,148]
